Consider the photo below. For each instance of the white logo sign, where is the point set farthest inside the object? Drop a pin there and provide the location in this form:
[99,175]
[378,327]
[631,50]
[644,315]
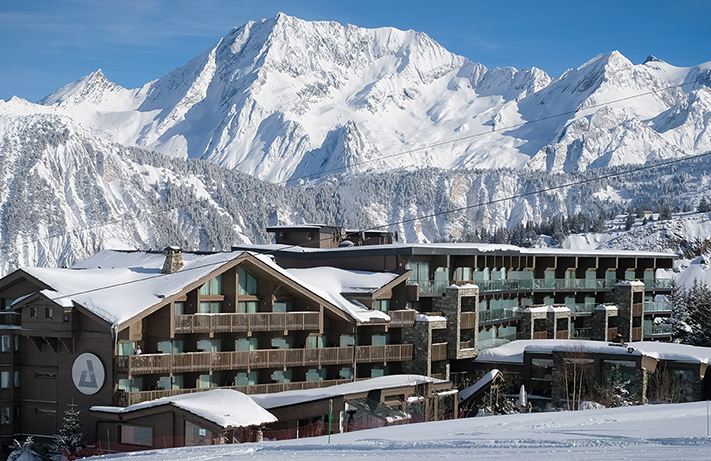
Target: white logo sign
[88,373]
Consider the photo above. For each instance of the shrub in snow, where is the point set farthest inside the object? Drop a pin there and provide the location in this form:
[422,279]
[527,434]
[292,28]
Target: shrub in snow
[24,452]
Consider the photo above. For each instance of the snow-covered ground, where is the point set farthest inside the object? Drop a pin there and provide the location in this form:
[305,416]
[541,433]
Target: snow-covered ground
[677,431]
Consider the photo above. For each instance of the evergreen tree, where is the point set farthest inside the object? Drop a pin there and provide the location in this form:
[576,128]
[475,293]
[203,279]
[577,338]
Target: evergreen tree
[629,222]
[687,208]
[703,206]
[70,437]
[665,213]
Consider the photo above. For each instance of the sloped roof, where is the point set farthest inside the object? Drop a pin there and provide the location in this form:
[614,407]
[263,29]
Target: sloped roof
[117,285]
[224,407]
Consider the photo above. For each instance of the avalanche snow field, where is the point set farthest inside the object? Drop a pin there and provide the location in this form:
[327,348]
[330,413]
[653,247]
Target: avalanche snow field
[676,431]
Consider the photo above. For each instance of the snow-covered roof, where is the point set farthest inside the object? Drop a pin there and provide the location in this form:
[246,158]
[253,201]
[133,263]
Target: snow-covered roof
[430,318]
[477,386]
[117,285]
[331,284]
[674,352]
[281,399]
[606,307]
[224,407]
[513,351]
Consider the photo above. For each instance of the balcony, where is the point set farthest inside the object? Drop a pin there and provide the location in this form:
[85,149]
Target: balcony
[539,335]
[488,286]
[636,334]
[130,398]
[637,309]
[660,284]
[431,286]
[500,341]
[468,320]
[403,318]
[439,352]
[581,333]
[582,308]
[612,334]
[262,321]
[493,315]
[563,334]
[248,360]
[658,330]
[657,306]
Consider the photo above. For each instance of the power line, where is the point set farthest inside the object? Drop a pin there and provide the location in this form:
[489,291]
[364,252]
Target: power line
[490,202]
[385,157]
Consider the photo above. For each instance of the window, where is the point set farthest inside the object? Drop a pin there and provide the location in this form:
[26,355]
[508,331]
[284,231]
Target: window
[420,272]
[33,312]
[17,378]
[249,307]
[6,343]
[247,282]
[5,415]
[283,306]
[48,313]
[213,287]
[196,435]
[127,348]
[179,307]
[5,379]
[17,343]
[137,435]
[210,307]
[382,305]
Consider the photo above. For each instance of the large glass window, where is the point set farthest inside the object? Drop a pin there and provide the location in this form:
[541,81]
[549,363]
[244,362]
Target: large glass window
[179,307]
[6,343]
[283,306]
[247,282]
[137,435]
[127,348]
[382,305]
[196,435]
[5,379]
[213,287]
[420,272]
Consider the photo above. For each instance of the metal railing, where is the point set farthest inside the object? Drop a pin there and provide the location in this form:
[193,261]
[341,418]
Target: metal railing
[431,286]
[581,308]
[496,342]
[653,330]
[498,314]
[260,321]
[268,358]
[657,306]
[582,333]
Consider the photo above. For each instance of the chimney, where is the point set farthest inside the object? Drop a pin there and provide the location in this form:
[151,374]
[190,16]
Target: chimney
[173,260]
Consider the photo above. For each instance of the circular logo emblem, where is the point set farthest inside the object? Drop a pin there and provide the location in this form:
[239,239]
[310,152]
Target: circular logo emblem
[88,373]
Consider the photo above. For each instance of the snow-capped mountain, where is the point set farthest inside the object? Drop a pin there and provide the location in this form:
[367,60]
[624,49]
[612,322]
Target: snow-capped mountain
[284,98]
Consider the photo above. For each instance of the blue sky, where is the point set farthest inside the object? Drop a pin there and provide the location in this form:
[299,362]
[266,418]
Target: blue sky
[45,44]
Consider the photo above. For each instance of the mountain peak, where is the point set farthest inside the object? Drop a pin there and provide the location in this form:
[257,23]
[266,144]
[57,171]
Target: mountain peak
[89,87]
[652,58]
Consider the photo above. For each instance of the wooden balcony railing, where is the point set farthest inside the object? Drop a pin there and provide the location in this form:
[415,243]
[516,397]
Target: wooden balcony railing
[130,398]
[469,320]
[270,358]
[260,321]
[540,335]
[637,309]
[403,318]
[612,334]
[439,352]
[636,334]
[561,334]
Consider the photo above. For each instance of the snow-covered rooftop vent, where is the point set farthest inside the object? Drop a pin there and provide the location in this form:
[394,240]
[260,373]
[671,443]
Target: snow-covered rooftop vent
[173,260]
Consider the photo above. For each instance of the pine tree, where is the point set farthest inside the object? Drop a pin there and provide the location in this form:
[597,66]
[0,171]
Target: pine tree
[70,437]
[703,206]
[629,222]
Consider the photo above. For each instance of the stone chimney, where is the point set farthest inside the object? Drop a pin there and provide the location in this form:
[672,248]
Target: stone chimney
[173,260]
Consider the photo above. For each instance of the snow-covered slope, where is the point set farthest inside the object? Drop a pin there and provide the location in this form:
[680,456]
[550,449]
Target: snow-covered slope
[284,98]
[676,431]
